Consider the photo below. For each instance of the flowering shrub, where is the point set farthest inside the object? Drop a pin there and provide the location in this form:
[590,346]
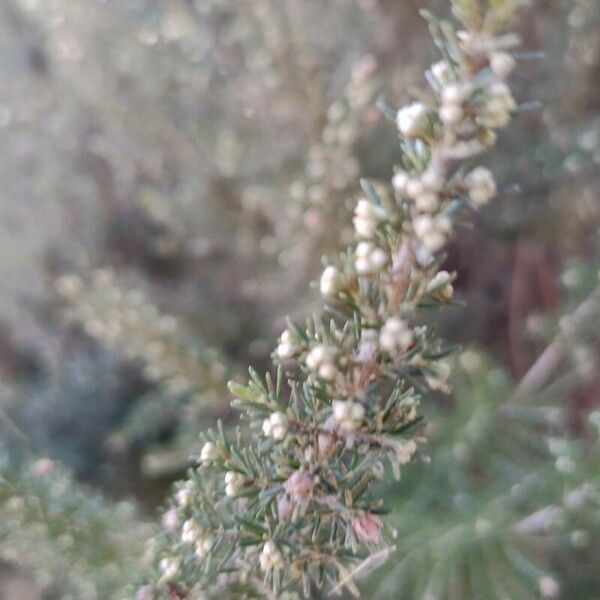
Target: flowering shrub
[292,502]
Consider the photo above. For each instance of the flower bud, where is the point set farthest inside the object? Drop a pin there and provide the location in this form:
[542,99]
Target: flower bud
[502,64]
[395,336]
[270,558]
[331,282]
[413,120]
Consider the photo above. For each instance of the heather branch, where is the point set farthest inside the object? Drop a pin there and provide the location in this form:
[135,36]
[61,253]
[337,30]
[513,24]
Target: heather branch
[292,501]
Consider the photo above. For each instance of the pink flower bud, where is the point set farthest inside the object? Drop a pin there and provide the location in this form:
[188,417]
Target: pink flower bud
[299,485]
[367,527]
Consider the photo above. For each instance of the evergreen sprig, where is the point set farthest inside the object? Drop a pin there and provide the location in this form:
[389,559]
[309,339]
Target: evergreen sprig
[291,502]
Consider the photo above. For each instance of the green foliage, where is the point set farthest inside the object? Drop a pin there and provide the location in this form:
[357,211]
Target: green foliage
[69,539]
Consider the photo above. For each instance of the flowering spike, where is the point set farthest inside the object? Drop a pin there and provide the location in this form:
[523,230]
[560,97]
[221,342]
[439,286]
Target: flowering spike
[295,505]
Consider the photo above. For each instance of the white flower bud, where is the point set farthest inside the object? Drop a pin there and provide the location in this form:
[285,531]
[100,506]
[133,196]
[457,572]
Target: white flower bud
[276,426]
[367,217]
[184,496]
[441,284]
[169,568]
[233,483]
[549,587]
[270,558]
[348,414]
[400,181]
[287,347]
[395,336]
[369,258]
[441,71]
[405,451]
[432,231]
[190,532]
[451,113]
[414,187]
[204,546]
[209,452]
[502,64]
[455,93]
[378,259]
[427,202]
[438,380]
[498,105]
[481,185]
[413,120]
[316,356]
[331,282]
[328,371]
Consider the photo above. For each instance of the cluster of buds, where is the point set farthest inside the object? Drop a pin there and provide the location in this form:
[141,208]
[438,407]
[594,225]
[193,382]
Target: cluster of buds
[481,185]
[276,426]
[191,533]
[370,259]
[348,415]
[322,360]
[233,483]
[497,106]
[432,231]
[396,336]
[270,557]
[287,347]
[367,217]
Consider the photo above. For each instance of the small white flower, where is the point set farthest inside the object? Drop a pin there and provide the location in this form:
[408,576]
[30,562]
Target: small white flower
[438,380]
[413,120]
[395,336]
[321,359]
[432,231]
[414,187]
[369,258]
[348,414]
[328,371]
[405,451]
[481,185]
[169,568]
[427,202]
[190,532]
[441,284]
[498,105]
[209,452]
[204,546]
[549,587]
[331,282]
[233,483]
[287,347]
[399,181]
[317,356]
[184,496]
[502,64]
[455,93]
[276,426]
[367,217]
[451,113]
[441,71]
[270,558]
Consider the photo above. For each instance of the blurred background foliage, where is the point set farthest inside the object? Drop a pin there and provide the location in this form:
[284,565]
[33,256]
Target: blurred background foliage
[172,171]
